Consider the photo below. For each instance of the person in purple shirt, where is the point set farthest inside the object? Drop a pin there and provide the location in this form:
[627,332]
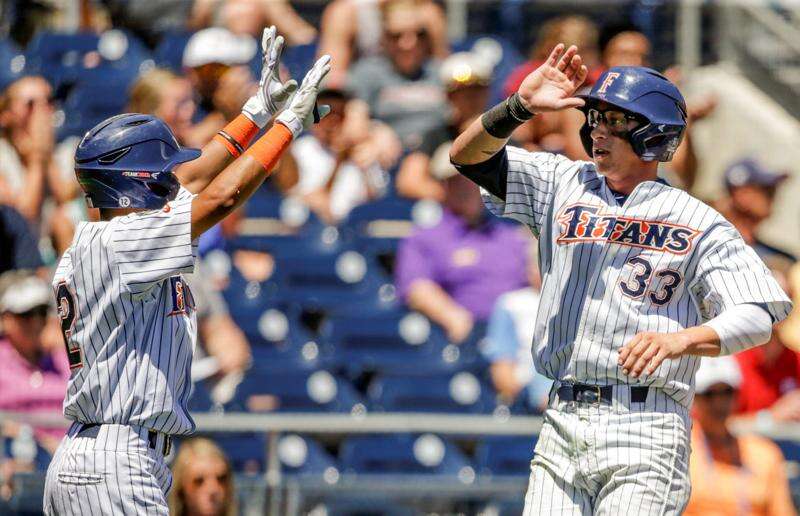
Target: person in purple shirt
[454,271]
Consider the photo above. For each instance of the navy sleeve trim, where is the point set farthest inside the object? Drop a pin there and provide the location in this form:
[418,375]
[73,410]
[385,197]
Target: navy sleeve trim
[491,174]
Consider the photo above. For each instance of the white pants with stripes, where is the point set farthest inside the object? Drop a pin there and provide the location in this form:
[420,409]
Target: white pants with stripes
[625,458]
[108,469]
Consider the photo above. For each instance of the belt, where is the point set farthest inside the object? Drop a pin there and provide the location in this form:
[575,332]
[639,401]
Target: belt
[152,438]
[583,393]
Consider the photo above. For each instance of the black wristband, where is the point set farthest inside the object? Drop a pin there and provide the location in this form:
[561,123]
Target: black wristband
[501,120]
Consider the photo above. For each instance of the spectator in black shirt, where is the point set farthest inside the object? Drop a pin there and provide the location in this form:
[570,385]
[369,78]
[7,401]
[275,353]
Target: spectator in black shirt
[19,246]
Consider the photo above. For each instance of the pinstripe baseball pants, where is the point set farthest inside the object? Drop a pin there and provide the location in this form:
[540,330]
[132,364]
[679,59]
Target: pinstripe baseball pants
[600,459]
[108,469]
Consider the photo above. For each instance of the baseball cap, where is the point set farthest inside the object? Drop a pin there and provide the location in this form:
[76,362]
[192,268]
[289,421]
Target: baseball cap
[464,69]
[24,292]
[440,166]
[714,370]
[218,45]
[749,172]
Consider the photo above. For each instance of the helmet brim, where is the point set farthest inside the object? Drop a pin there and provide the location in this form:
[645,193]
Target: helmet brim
[182,156]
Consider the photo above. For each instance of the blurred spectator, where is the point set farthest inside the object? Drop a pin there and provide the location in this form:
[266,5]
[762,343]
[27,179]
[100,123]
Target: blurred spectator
[452,272]
[216,63]
[338,164]
[33,363]
[28,170]
[202,481]
[402,86]
[553,132]
[170,97]
[17,242]
[570,30]
[351,29]
[751,194]
[223,342]
[509,340]
[623,44]
[731,474]
[150,20]
[251,16]
[771,373]
[465,77]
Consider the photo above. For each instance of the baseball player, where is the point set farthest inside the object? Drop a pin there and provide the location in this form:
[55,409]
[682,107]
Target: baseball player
[639,280]
[126,313]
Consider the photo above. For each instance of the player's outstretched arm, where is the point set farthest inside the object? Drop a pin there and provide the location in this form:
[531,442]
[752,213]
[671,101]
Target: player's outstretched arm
[240,179]
[232,140]
[548,88]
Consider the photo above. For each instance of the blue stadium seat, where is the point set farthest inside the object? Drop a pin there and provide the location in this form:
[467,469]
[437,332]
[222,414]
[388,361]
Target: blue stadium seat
[294,391]
[65,59]
[297,59]
[365,506]
[200,400]
[407,454]
[503,508]
[393,340]
[325,281]
[790,449]
[303,456]
[246,451]
[90,103]
[12,63]
[505,456]
[169,52]
[378,226]
[459,392]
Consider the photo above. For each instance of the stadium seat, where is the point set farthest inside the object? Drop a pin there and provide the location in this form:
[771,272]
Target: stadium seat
[503,508]
[406,454]
[246,451]
[297,59]
[300,455]
[382,342]
[460,392]
[65,59]
[12,63]
[366,506]
[200,400]
[505,456]
[295,391]
[169,52]
[89,104]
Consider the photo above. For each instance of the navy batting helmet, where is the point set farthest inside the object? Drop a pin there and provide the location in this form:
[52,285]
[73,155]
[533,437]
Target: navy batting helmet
[649,96]
[126,161]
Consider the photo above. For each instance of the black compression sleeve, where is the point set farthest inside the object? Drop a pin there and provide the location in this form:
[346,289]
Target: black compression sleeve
[491,174]
[501,120]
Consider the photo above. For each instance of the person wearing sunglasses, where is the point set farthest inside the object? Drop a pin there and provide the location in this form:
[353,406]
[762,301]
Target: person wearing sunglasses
[731,474]
[640,279]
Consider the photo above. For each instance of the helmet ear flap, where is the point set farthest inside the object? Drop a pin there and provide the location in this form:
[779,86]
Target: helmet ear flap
[586,138]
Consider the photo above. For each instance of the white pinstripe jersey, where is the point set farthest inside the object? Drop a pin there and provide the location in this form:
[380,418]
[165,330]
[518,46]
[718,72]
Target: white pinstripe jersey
[128,319]
[663,261]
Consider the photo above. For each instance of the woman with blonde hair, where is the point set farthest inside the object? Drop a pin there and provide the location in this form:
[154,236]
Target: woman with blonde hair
[202,481]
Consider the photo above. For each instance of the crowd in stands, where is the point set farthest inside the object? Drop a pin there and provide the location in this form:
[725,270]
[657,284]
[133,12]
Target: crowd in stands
[365,204]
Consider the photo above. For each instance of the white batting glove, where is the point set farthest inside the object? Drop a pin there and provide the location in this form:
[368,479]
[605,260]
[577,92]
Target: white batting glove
[272,95]
[302,110]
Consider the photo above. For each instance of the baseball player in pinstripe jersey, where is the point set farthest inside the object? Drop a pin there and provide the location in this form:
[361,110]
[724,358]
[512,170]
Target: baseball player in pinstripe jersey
[126,313]
[639,280]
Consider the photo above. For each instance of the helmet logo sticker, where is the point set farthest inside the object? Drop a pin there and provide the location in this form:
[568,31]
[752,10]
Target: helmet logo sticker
[608,81]
[124,201]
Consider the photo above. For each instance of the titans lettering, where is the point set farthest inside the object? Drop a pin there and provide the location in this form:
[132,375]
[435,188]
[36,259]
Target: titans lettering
[581,223]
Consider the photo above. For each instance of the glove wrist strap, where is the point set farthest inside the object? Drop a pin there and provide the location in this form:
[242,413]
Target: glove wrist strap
[289,119]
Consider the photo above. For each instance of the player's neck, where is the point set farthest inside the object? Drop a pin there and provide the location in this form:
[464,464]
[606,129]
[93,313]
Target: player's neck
[108,214]
[625,183]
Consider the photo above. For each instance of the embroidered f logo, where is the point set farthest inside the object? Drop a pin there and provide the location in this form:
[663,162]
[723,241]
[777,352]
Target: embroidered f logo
[610,78]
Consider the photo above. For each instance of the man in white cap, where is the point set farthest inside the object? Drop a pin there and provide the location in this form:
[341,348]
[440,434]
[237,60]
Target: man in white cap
[215,61]
[731,474]
[33,372]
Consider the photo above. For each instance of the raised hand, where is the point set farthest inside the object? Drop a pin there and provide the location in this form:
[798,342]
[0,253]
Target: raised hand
[272,94]
[551,86]
[302,110]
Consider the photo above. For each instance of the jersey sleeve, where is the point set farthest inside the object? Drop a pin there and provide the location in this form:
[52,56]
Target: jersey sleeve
[530,186]
[153,245]
[729,272]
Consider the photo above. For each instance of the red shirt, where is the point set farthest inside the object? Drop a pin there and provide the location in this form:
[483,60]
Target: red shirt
[763,384]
